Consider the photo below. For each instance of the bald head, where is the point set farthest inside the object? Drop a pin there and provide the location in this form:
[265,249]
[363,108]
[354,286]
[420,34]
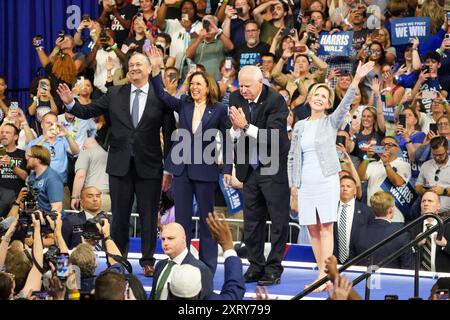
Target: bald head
[250,82]
[173,238]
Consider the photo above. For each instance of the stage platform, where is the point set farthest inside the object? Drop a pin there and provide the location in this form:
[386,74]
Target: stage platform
[299,270]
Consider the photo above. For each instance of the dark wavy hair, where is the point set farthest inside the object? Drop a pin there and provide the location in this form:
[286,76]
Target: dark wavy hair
[194,5]
[212,97]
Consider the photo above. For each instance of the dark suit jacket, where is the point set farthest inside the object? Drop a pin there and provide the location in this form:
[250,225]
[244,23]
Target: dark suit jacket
[207,276]
[144,140]
[73,237]
[361,217]
[234,285]
[214,117]
[271,113]
[442,259]
[377,231]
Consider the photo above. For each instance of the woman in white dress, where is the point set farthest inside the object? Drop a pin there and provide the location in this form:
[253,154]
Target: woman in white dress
[313,165]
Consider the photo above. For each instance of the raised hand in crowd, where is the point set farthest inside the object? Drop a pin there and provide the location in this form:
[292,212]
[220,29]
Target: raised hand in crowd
[362,71]
[340,290]
[65,94]
[220,230]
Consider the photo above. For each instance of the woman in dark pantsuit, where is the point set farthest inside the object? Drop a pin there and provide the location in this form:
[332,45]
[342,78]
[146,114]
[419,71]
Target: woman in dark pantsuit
[192,160]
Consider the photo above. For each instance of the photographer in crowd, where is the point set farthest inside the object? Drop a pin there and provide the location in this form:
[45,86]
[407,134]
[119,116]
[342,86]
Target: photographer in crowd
[91,202]
[44,179]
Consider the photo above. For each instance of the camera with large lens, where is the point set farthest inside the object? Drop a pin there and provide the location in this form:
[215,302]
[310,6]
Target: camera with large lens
[90,230]
[31,208]
[51,255]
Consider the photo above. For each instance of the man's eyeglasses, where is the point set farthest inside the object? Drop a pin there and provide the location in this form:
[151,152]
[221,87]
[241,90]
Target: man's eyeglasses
[389,144]
[436,178]
[443,124]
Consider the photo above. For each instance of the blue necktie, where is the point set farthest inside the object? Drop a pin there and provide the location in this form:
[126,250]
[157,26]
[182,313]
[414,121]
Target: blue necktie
[135,108]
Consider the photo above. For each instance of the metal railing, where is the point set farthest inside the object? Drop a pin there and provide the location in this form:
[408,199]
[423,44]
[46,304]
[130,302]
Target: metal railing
[369,252]
[135,216]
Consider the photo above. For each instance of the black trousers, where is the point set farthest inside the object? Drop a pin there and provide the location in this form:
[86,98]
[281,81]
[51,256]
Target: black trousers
[263,200]
[148,191]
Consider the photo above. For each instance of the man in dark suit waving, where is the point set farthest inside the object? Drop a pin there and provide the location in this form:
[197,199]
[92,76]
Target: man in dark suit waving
[258,116]
[135,160]
[352,216]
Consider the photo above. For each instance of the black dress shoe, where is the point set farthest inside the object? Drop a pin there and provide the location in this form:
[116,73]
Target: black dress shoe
[269,279]
[253,276]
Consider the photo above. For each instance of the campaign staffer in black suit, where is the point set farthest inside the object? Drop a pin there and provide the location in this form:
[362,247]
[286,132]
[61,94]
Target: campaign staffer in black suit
[135,159]
[173,240]
[185,282]
[439,259]
[350,220]
[257,109]
[201,116]
[380,228]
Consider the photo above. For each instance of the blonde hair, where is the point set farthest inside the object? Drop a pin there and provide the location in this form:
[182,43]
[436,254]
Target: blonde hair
[373,111]
[41,153]
[380,202]
[432,9]
[84,257]
[387,38]
[317,86]
[339,93]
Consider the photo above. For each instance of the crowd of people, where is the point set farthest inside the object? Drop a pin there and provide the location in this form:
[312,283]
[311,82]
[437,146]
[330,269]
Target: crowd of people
[162,100]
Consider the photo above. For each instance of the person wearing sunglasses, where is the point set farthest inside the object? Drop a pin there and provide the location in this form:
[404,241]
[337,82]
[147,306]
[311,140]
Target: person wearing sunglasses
[435,173]
[390,166]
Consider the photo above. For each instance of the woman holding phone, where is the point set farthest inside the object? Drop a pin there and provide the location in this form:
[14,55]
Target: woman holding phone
[201,117]
[313,165]
[409,138]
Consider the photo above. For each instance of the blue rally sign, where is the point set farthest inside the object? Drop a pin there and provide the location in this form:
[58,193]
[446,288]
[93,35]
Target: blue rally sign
[233,197]
[403,29]
[404,196]
[336,44]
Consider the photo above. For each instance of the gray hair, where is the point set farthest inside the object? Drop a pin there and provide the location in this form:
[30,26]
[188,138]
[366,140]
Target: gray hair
[141,55]
[254,71]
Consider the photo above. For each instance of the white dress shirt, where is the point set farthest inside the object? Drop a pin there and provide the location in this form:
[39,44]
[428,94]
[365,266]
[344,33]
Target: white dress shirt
[348,220]
[252,130]
[178,260]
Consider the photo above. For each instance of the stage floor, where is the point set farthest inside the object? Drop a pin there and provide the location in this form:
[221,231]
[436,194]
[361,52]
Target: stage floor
[297,274]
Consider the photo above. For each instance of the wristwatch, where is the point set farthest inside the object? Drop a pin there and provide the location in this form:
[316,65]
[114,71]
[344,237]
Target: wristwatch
[246,128]
[445,193]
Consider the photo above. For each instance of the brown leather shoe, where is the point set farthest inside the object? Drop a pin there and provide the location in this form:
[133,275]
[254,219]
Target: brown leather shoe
[148,270]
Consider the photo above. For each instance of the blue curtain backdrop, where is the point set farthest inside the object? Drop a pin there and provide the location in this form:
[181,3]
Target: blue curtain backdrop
[20,20]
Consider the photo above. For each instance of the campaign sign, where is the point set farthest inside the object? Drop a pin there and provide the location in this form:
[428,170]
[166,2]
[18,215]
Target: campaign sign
[404,196]
[403,29]
[233,197]
[336,44]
